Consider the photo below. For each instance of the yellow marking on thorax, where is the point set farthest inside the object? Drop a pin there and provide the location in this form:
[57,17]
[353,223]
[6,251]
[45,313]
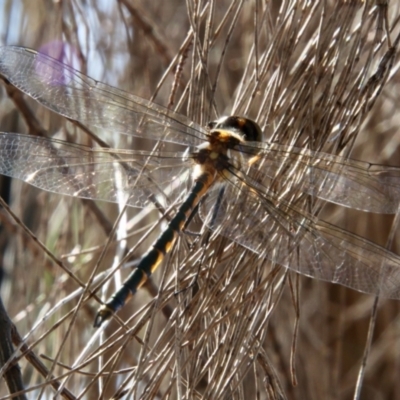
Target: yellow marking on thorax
[214,155]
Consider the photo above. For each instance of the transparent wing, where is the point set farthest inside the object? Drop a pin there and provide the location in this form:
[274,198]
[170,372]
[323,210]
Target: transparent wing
[279,231]
[79,97]
[354,184]
[135,177]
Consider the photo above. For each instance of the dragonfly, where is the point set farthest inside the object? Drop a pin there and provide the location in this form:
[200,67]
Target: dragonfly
[224,169]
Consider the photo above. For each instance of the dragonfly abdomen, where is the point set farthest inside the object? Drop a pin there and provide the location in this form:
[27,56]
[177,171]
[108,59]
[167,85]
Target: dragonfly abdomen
[152,259]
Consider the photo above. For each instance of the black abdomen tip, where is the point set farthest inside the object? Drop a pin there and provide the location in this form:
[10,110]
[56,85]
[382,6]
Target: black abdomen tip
[102,315]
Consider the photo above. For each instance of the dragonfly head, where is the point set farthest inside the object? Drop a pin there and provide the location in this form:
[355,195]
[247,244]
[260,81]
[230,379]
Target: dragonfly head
[245,127]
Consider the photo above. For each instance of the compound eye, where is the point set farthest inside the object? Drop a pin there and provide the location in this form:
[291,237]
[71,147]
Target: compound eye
[251,131]
[245,127]
[221,123]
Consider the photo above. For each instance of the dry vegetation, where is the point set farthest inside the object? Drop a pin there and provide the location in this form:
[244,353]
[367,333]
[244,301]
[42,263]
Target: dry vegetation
[315,74]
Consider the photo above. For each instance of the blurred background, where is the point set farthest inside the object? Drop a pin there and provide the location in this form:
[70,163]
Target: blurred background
[311,74]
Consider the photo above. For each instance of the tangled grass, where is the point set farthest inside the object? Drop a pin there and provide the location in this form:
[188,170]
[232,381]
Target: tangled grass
[217,321]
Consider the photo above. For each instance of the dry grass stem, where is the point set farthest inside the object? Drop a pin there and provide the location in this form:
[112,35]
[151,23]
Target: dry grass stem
[217,320]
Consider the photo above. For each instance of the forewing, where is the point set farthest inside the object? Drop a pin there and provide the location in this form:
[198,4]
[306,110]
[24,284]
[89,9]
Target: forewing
[349,183]
[74,95]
